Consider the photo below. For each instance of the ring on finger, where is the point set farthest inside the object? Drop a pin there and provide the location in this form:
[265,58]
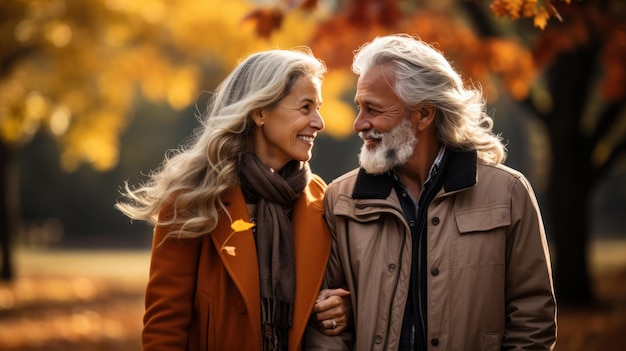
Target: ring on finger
[334,324]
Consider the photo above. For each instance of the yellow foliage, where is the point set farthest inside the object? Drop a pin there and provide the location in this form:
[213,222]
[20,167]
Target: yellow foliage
[94,140]
[89,59]
[82,61]
[60,119]
[338,115]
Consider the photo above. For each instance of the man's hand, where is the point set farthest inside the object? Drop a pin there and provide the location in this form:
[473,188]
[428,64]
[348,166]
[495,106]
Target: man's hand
[332,312]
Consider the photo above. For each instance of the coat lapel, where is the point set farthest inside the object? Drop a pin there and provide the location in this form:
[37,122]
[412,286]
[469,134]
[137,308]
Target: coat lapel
[312,247]
[243,267]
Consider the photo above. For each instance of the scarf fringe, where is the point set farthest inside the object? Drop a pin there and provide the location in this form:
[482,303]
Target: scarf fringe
[278,314]
[276,317]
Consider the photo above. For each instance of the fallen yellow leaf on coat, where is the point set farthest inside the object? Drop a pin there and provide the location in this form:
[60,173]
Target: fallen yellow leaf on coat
[230,250]
[240,225]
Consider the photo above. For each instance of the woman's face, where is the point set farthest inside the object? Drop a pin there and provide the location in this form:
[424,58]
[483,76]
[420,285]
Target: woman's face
[286,131]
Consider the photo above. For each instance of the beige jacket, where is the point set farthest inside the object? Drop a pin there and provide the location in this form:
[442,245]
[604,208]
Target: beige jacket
[489,283]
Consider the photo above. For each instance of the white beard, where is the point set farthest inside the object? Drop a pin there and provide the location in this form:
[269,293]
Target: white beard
[394,149]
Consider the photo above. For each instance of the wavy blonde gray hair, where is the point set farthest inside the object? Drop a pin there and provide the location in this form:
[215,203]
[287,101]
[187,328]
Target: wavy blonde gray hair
[192,180]
[424,76]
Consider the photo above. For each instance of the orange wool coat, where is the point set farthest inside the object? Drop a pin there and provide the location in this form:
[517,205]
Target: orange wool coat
[199,297]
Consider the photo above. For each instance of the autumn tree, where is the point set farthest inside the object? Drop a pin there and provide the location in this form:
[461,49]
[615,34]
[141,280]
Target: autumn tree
[563,61]
[74,69]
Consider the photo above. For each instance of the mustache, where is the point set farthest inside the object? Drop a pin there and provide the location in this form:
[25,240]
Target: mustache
[371,134]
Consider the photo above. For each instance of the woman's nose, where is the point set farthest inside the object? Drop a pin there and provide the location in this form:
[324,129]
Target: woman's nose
[318,121]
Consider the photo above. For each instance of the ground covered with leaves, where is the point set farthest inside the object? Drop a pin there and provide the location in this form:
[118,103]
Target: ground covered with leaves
[97,312]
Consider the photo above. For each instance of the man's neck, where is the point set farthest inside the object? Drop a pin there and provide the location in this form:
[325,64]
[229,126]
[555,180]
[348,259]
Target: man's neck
[416,172]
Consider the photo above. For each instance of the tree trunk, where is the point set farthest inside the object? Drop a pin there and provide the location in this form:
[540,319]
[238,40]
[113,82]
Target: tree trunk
[569,211]
[570,79]
[6,220]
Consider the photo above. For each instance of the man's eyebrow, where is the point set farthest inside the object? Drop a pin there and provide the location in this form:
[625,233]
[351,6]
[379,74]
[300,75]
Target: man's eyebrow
[367,102]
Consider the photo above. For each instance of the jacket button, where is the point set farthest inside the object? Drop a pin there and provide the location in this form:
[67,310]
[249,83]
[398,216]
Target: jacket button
[391,267]
[411,224]
[378,339]
[435,220]
[434,342]
[434,271]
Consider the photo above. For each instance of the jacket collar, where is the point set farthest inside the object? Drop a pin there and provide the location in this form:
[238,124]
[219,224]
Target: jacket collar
[458,168]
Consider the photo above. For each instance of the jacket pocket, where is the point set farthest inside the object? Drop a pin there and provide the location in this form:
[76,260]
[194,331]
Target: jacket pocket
[482,235]
[482,219]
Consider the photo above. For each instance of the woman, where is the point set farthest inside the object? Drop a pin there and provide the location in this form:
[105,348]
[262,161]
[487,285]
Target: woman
[240,244]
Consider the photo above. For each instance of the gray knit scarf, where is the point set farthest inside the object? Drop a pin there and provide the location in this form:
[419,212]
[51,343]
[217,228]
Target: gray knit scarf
[274,194]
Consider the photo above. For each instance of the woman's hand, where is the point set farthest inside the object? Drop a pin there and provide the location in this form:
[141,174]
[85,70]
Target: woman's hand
[332,312]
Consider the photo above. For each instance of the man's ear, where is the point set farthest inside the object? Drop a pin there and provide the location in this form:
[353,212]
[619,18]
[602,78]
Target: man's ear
[426,116]
[427,111]
[257,117]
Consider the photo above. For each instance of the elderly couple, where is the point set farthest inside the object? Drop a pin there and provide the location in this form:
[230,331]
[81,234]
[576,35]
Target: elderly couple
[431,244]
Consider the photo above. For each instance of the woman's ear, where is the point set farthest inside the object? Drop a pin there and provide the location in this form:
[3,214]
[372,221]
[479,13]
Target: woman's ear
[257,117]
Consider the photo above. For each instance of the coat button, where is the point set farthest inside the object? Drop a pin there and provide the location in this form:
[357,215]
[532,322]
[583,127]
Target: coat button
[411,224]
[378,339]
[435,220]
[434,271]
[434,342]
[391,267]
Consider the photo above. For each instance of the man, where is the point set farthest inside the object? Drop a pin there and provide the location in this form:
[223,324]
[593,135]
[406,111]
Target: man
[441,246]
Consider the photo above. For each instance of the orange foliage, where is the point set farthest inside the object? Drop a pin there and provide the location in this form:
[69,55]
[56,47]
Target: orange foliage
[516,9]
[478,59]
[75,68]
[582,24]
[265,21]
[360,21]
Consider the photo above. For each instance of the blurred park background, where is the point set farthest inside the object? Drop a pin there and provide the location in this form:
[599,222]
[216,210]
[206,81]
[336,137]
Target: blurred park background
[95,93]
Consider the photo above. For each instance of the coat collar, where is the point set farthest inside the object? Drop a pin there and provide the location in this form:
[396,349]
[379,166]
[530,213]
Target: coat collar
[458,168]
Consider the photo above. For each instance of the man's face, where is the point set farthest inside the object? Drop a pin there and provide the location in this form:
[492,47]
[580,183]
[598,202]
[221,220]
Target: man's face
[383,123]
